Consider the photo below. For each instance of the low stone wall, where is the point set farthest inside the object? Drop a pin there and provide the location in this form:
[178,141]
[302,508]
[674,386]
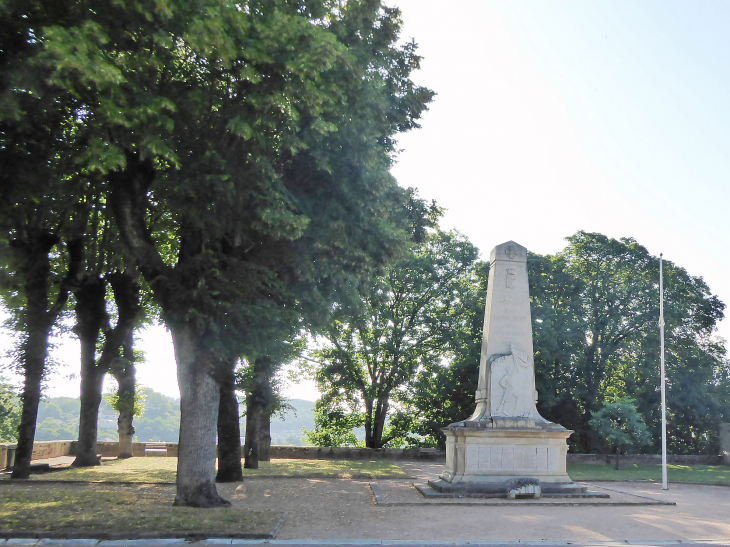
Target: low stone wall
[111,450]
[42,450]
[331,453]
[52,449]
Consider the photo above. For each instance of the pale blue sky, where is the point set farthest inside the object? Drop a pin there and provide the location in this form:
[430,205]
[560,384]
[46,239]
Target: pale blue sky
[557,116]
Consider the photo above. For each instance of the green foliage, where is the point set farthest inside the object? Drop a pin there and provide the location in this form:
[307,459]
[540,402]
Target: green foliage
[595,308]
[442,392]
[10,409]
[620,425]
[140,397]
[334,427]
[408,319]
[161,419]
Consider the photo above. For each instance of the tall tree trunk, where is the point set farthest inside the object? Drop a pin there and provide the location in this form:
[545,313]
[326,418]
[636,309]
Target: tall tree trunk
[259,401]
[229,430]
[124,372]
[252,446]
[90,317]
[618,455]
[126,296]
[265,438]
[35,269]
[34,359]
[199,400]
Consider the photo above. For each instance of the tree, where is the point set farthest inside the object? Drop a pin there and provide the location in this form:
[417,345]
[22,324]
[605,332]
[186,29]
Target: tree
[595,308]
[36,280]
[262,136]
[335,423]
[443,391]
[9,412]
[403,322]
[39,127]
[127,399]
[104,266]
[229,429]
[620,425]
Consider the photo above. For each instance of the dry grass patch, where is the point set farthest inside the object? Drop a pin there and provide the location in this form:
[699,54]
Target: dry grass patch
[162,470]
[343,469]
[120,511]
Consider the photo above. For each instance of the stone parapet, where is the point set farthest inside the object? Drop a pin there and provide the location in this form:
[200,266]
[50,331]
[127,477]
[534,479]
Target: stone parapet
[53,449]
[345,453]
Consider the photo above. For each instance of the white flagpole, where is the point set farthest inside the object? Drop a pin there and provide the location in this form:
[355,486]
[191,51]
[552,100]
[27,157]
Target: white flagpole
[664,404]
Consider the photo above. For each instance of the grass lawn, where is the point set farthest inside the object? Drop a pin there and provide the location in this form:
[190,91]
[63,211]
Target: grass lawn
[119,511]
[162,470]
[705,474]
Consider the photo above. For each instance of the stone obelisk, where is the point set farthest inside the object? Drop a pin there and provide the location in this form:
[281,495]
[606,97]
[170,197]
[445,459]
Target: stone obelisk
[506,441]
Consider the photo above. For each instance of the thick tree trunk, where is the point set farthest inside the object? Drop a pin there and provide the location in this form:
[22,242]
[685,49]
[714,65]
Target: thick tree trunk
[34,366]
[199,386]
[381,412]
[252,446]
[265,438]
[35,271]
[199,401]
[229,430]
[123,370]
[618,455]
[88,418]
[90,316]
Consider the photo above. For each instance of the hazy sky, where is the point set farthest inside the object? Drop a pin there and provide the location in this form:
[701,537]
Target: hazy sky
[558,116]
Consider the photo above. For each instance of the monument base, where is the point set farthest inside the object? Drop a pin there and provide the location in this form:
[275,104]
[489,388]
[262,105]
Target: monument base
[487,456]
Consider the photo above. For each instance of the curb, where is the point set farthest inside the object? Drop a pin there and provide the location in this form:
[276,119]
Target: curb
[361,542]
[75,537]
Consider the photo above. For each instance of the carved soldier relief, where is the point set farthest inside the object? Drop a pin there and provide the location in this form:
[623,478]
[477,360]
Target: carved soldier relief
[511,278]
[512,375]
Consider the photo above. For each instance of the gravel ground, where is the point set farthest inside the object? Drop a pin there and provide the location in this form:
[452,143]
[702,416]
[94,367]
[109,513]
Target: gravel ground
[346,509]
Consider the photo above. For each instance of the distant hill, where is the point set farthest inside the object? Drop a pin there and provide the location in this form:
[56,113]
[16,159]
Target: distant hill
[58,419]
[287,428]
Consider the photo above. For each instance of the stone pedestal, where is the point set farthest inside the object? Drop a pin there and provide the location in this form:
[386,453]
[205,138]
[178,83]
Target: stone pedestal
[485,459]
[506,441]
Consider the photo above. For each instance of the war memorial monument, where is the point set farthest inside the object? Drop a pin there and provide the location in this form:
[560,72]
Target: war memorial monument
[506,448]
